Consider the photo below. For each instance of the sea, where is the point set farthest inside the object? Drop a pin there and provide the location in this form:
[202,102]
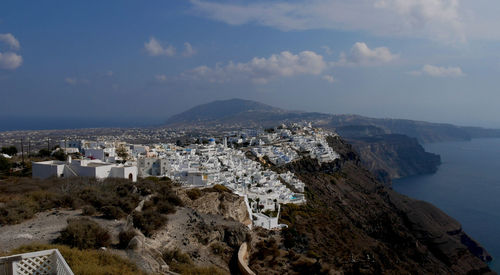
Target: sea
[466,187]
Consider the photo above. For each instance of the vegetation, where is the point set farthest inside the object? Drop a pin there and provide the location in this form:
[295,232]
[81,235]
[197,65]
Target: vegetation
[10,150]
[44,153]
[181,263]
[121,152]
[60,155]
[5,164]
[113,198]
[125,237]
[87,262]
[148,221]
[88,210]
[84,233]
[194,193]
[218,188]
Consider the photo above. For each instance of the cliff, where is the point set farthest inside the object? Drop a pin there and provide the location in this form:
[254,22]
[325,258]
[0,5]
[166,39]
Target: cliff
[354,224]
[389,156]
[395,156]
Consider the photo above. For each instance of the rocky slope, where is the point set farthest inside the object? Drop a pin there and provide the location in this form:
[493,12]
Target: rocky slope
[394,156]
[353,224]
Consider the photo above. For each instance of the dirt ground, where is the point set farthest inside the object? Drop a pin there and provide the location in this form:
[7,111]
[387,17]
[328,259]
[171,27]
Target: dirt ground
[45,227]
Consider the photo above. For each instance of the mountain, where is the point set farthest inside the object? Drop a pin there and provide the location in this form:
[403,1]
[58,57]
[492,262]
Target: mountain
[247,113]
[225,111]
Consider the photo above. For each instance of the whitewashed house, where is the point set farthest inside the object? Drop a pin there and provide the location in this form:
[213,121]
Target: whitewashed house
[153,167]
[83,168]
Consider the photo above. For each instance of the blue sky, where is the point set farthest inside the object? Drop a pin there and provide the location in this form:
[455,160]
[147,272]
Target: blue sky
[434,60]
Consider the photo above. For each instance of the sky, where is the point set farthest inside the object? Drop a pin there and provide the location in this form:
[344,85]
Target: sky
[138,62]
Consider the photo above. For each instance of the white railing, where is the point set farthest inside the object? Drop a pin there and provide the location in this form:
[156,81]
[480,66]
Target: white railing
[46,262]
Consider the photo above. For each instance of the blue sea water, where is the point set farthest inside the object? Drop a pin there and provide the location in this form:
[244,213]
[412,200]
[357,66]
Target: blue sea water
[466,187]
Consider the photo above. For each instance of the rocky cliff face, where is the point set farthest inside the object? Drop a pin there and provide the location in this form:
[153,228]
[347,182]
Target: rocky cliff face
[394,156]
[354,224]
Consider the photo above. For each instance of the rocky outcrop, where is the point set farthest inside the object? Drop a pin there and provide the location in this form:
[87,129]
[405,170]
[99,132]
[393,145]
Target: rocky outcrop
[225,204]
[394,156]
[208,240]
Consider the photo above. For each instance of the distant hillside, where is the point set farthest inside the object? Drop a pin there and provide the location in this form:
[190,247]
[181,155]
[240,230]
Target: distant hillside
[247,113]
[224,111]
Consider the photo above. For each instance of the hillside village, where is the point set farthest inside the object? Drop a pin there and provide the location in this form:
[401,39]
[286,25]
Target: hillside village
[233,160]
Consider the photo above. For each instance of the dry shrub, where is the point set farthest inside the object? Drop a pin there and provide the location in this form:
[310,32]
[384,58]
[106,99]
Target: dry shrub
[181,263]
[84,233]
[217,248]
[265,249]
[115,198]
[88,210]
[148,221]
[125,237]
[218,188]
[112,212]
[193,194]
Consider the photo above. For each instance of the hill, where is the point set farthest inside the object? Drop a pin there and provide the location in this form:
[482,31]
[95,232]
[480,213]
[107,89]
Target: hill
[224,111]
[246,113]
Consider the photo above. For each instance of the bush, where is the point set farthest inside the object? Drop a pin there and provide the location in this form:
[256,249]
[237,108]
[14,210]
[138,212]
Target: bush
[165,207]
[193,194]
[217,248]
[148,221]
[181,263]
[112,212]
[44,153]
[4,164]
[125,237]
[11,150]
[60,155]
[88,210]
[219,188]
[17,211]
[84,233]
[176,255]
[266,248]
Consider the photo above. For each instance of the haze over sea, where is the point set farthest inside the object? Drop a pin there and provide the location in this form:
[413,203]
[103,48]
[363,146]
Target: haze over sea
[466,187]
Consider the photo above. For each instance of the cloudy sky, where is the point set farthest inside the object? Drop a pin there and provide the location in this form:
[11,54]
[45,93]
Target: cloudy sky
[435,60]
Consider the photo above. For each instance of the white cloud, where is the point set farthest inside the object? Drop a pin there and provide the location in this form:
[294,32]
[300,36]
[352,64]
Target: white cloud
[161,77]
[436,71]
[71,80]
[434,19]
[329,78]
[439,18]
[154,48]
[10,60]
[361,55]
[188,50]
[262,70]
[10,40]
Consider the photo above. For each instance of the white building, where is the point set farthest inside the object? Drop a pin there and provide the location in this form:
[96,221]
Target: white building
[153,167]
[82,168]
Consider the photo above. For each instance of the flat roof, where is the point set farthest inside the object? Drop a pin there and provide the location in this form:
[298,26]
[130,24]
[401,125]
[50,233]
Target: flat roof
[97,164]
